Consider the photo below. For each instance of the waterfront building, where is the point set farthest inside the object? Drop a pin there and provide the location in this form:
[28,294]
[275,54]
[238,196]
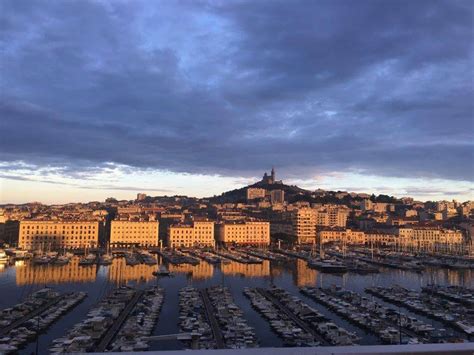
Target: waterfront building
[39,234]
[140,232]
[379,239]
[189,235]
[430,238]
[348,236]
[244,233]
[254,193]
[304,225]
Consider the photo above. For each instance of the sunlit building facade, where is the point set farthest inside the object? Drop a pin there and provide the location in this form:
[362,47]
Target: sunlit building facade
[348,236]
[28,274]
[245,233]
[35,235]
[430,238]
[141,233]
[254,193]
[185,235]
[304,225]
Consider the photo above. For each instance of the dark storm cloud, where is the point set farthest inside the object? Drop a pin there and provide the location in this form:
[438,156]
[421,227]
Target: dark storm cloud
[232,87]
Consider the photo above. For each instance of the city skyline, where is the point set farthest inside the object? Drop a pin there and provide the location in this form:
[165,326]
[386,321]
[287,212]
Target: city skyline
[127,192]
[197,98]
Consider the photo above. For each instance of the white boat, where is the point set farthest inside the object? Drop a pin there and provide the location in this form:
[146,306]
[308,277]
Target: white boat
[3,256]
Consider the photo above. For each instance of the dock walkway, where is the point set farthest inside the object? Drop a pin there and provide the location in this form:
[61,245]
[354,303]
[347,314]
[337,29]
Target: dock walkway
[216,330]
[303,325]
[30,315]
[110,334]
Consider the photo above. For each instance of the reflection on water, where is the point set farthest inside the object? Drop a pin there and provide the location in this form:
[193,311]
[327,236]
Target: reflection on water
[305,276]
[247,270]
[121,273]
[27,273]
[202,271]
[19,279]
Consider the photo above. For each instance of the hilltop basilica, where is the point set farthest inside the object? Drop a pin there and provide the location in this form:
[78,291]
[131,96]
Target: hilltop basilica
[270,179]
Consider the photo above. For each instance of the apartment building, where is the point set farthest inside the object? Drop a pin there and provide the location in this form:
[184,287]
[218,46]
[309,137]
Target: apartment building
[244,233]
[254,193]
[138,232]
[332,216]
[189,235]
[348,236]
[304,225]
[429,238]
[40,234]
[277,196]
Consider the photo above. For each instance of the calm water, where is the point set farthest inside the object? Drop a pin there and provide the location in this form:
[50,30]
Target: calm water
[19,280]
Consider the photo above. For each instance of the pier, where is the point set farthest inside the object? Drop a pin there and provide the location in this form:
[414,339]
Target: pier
[112,331]
[303,325]
[367,315]
[451,313]
[216,331]
[30,315]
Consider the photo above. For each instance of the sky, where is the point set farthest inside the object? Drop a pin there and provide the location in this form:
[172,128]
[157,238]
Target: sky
[112,98]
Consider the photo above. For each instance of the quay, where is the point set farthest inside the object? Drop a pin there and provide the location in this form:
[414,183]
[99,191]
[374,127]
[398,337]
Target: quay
[113,330]
[216,331]
[303,325]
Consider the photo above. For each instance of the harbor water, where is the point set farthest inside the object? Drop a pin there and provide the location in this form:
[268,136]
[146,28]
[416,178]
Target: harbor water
[21,278]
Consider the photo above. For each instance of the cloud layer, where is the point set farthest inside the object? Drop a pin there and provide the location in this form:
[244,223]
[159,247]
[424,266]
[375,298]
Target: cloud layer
[231,87]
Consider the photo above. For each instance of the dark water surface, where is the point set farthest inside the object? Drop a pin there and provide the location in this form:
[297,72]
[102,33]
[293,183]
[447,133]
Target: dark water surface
[20,279]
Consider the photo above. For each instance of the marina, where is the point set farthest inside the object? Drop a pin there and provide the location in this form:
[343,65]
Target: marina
[23,322]
[452,313]
[208,288]
[281,323]
[176,257]
[237,256]
[234,330]
[140,322]
[390,325]
[97,329]
[193,319]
